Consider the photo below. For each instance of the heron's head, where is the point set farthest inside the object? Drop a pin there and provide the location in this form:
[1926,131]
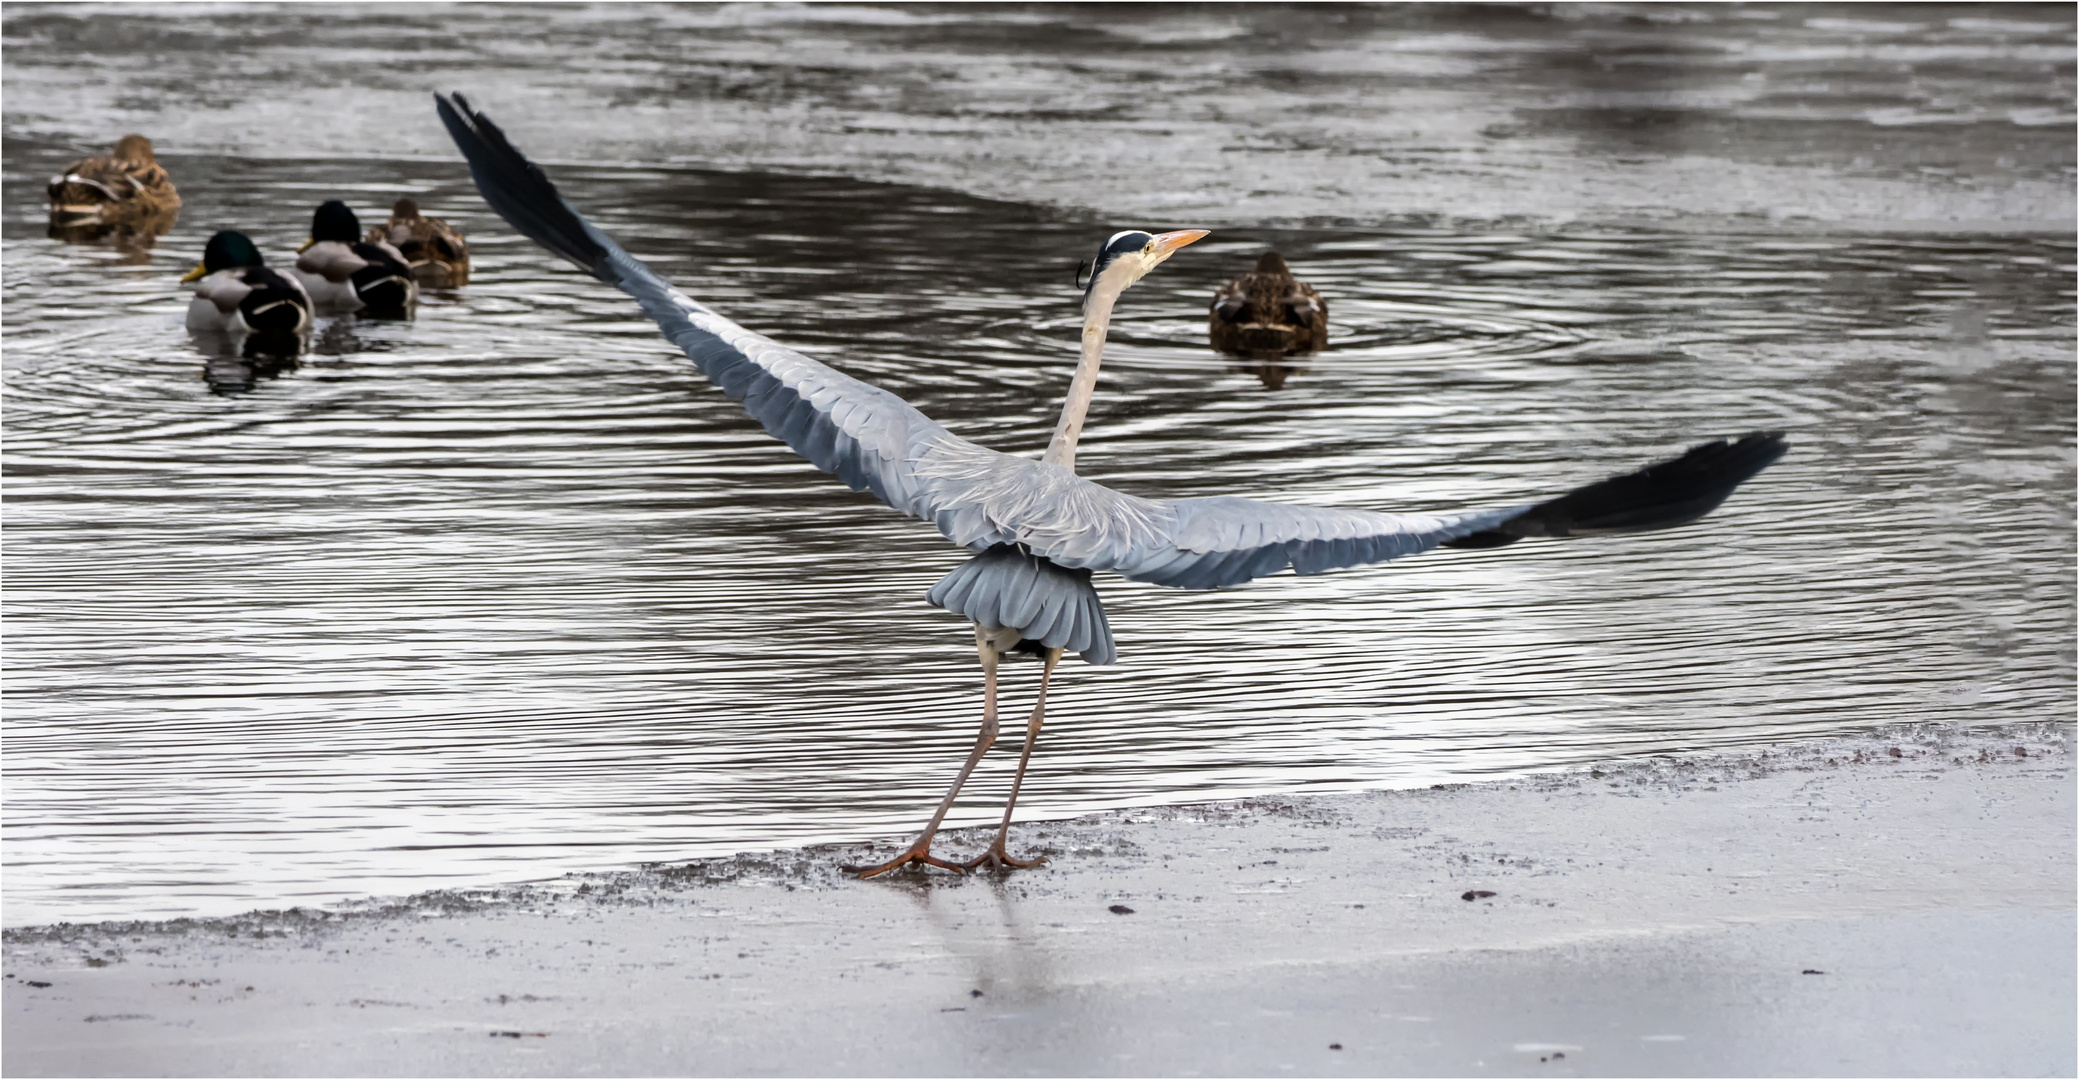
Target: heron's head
[225,250]
[1128,256]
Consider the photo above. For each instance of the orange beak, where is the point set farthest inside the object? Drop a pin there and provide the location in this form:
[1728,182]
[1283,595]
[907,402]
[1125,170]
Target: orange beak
[1167,243]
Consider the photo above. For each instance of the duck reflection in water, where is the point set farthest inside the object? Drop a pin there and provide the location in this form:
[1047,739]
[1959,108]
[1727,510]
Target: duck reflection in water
[1267,315]
[340,338]
[1270,368]
[133,239]
[234,363]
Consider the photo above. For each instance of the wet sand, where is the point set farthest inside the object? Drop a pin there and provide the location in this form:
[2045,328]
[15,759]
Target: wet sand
[1901,904]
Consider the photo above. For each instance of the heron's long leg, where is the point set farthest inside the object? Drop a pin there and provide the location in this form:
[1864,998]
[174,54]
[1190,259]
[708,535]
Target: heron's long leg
[920,852]
[996,855]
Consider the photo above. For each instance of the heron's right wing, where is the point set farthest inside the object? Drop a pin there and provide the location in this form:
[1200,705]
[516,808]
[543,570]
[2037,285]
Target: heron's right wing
[864,435]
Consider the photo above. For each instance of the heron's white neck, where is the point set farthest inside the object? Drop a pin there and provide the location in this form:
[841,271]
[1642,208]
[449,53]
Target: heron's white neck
[1097,318]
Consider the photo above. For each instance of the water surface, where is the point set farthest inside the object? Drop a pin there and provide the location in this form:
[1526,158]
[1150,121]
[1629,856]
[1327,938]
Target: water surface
[507,590]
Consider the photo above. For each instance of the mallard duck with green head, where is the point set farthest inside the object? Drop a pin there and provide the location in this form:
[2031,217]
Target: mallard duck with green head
[346,273]
[237,292]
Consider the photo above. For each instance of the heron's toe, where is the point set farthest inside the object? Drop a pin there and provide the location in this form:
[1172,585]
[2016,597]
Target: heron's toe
[920,857]
[996,858]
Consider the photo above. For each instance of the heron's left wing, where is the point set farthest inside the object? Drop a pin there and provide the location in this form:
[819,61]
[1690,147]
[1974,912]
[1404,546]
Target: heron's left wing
[1223,540]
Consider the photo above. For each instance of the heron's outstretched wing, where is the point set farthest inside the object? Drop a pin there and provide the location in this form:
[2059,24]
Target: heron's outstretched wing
[858,432]
[873,440]
[1222,541]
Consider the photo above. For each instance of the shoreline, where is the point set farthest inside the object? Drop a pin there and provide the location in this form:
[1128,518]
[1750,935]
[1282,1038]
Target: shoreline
[816,861]
[1655,916]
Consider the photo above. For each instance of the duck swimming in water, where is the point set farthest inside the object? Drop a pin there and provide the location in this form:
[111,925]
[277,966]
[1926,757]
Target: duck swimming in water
[127,190]
[438,255]
[236,292]
[1269,311]
[346,273]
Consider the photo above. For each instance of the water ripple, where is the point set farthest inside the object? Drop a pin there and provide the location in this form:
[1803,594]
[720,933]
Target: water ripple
[507,590]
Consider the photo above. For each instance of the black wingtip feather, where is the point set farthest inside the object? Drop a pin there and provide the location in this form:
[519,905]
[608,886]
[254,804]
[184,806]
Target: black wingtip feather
[1661,496]
[518,190]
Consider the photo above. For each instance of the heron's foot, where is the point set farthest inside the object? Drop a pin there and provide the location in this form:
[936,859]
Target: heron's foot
[996,858]
[919,854]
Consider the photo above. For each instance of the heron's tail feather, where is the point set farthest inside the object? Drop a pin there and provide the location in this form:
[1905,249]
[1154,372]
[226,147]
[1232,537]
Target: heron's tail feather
[1008,587]
[1674,492]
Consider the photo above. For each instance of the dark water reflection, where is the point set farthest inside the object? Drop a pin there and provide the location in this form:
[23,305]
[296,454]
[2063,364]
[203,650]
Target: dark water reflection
[506,590]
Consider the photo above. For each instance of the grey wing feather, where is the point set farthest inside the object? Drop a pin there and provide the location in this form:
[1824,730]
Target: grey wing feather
[1225,540]
[862,434]
[1221,541]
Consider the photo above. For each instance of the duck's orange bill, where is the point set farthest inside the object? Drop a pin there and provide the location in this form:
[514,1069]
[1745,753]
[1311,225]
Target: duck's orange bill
[196,274]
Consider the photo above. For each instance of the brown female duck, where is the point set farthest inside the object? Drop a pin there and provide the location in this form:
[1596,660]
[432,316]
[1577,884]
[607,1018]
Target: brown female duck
[126,190]
[1269,311]
[438,255]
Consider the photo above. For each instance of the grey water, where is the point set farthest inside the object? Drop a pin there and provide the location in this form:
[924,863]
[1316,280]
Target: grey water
[506,590]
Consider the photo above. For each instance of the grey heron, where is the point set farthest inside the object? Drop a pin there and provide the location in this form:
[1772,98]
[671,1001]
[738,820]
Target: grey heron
[1037,529]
